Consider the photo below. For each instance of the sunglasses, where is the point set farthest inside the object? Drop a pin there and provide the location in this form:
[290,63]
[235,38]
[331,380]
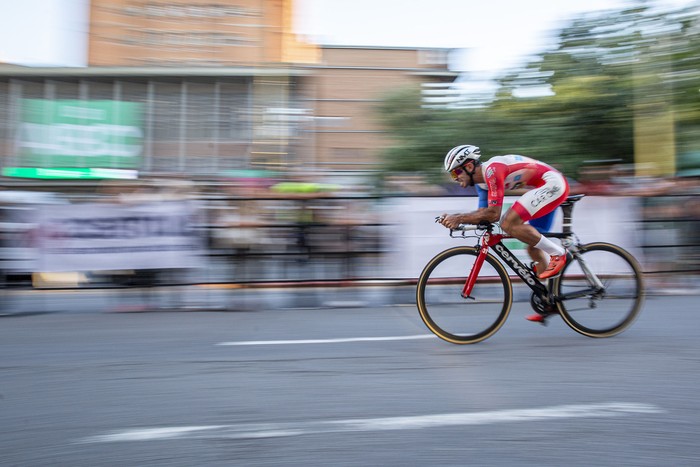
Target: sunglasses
[456,172]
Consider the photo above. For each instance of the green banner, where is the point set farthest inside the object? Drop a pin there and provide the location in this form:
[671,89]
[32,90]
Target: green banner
[69,173]
[83,134]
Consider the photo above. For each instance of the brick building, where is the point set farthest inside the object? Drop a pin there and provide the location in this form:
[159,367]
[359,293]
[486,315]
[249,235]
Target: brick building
[214,85]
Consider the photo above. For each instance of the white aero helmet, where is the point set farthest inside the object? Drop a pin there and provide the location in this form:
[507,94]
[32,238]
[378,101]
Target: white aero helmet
[460,155]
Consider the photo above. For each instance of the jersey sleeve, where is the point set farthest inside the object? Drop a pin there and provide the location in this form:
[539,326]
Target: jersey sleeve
[494,176]
[483,196]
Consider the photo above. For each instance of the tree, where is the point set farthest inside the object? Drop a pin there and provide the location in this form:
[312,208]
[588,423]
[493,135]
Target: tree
[592,84]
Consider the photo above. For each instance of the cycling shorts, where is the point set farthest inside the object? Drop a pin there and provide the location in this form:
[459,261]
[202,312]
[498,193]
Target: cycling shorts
[542,224]
[544,199]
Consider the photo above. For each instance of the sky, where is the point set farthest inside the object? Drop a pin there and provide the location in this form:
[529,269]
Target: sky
[494,35]
[44,32]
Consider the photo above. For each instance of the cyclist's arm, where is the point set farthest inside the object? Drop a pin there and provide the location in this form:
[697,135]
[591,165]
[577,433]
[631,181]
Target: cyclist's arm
[490,206]
[489,214]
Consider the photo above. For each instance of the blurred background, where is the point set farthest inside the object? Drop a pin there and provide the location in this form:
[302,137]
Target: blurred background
[277,143]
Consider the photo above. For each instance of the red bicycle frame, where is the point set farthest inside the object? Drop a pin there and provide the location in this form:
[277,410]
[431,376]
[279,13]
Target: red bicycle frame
[487,241]
[491,240]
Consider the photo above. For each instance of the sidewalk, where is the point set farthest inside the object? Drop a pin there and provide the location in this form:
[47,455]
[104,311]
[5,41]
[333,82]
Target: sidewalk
[234,297]
[218,297]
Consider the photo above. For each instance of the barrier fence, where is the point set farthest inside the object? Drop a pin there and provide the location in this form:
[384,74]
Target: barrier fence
[296,241]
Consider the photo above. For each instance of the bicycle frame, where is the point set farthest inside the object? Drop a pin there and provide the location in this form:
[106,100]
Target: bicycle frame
[494,241]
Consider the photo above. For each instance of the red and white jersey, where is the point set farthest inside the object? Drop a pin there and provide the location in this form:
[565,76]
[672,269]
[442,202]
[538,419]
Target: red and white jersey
[511,172]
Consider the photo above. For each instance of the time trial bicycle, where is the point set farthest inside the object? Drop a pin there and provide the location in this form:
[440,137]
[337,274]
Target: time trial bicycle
[465,294]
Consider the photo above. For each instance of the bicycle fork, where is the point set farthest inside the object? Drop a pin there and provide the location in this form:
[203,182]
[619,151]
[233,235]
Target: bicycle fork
[474,273]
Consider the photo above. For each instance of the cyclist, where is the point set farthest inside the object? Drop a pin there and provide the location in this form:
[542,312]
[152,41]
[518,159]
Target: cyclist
[541,224]
[547,189]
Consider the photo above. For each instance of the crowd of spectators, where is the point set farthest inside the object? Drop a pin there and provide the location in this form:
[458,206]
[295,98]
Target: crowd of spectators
[256,231]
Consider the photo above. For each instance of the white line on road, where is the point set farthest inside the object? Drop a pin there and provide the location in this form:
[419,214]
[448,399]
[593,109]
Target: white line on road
[275,430]
[331,341]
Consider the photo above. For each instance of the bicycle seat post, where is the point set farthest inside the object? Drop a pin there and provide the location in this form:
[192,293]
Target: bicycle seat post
[567,208]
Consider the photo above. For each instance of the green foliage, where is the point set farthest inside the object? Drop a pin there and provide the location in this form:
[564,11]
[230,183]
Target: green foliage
[603,64]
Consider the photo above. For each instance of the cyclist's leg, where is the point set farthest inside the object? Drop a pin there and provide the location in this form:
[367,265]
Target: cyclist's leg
[542,224]
[536,203]
[543,200]
[514,225]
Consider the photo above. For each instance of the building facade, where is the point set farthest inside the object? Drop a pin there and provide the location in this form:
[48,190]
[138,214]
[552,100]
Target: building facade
[202,88]
[344,90]
[194,33]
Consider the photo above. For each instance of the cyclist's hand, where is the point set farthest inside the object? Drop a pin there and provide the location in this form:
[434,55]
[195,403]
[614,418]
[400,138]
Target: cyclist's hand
[450,221]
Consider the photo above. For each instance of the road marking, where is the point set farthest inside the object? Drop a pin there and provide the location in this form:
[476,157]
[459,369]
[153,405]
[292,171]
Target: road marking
[331,341]
[276,430]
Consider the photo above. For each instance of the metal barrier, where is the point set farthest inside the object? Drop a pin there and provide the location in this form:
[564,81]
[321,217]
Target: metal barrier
[312,239]
[670,228]
[331,240]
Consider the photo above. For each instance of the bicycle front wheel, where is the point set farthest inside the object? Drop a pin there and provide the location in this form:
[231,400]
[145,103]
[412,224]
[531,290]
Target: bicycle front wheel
[607,307]
[452,317]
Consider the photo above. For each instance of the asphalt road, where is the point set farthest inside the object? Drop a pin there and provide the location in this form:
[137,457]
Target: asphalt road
[345,387]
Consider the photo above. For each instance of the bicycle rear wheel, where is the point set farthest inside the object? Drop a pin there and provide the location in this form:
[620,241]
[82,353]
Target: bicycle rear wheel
[450,316]
[596,312]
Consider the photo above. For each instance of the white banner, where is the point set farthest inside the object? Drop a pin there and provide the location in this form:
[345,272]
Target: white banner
[94,237]
[416,238]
